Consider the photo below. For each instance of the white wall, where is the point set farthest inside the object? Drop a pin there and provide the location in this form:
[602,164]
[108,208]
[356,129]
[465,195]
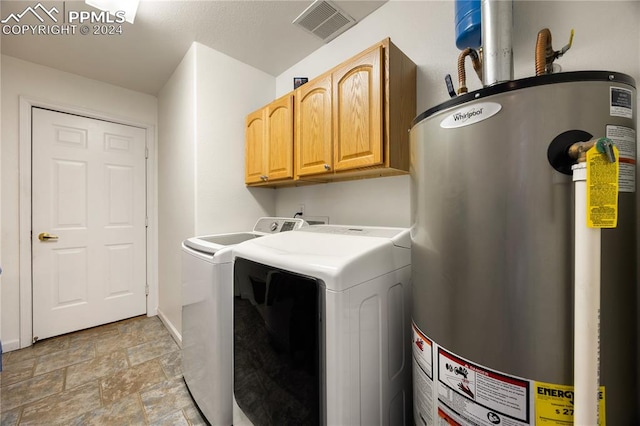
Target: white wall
[201,160]
[374,202]
[50,85]
[228,90]
[424,30]
[176,181]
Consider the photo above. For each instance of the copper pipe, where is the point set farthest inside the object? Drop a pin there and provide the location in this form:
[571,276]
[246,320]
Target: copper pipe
[545,55]
[544,52]
[462,75]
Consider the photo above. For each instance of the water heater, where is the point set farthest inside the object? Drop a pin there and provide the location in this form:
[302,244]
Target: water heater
[492,256]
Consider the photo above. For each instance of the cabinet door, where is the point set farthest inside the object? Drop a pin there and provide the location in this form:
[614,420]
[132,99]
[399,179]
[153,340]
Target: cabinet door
[313,146]
[280,139]
[357,112]
[255,149]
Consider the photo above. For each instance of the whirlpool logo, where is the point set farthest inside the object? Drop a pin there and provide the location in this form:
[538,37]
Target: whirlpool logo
[470,115]
[465,116]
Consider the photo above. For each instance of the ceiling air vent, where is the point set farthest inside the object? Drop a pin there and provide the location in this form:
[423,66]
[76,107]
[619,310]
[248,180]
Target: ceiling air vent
[324,20]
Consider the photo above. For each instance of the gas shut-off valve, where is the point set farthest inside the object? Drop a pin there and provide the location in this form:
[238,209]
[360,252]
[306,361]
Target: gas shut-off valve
[578,151]
[570,147]
[545,55]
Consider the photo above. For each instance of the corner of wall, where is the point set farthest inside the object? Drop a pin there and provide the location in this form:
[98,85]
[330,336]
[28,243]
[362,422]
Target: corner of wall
[176,183]
[227,90]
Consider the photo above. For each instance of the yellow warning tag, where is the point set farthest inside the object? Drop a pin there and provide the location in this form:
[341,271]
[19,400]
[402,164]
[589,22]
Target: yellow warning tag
[602,189]
[554,405]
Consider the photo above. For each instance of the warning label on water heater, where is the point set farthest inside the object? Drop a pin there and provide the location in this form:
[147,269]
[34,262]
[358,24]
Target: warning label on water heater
[449,390]
[602,190]
[422,377]
[624,138]
[475,394]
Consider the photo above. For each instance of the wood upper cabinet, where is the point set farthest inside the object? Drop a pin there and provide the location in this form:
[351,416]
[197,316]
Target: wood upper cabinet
[339,118]
[269,142]
[350,122]
[357,111]
[279,116]
[313,142]
[372,101]
[255,149]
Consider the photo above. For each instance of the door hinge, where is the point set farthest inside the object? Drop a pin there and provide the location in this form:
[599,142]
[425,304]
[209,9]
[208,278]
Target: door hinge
[146,222]
[146,289]
[146,152]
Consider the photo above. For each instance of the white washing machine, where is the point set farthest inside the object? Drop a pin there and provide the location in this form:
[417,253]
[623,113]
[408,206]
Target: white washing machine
[207,315]
[322,327]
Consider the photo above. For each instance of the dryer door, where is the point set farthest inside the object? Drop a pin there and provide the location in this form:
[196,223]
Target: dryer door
[278,349]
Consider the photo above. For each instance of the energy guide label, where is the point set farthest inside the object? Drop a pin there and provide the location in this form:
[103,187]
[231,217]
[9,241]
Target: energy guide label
[555,405]
[624,139]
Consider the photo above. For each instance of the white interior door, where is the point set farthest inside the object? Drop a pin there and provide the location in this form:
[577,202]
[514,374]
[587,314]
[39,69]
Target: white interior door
[89,195]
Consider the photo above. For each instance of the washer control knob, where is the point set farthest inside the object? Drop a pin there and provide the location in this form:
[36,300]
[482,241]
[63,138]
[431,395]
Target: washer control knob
[274,226]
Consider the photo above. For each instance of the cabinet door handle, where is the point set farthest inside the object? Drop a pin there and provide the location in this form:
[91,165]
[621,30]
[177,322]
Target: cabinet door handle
[264,177]
[327,167]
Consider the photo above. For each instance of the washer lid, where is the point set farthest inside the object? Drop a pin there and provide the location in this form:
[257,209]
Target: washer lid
[213,243]
[341,256]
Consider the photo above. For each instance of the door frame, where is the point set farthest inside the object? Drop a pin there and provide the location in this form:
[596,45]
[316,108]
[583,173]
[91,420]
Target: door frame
[25,274]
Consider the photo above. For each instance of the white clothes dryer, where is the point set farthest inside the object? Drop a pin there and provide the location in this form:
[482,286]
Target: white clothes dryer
[206,315]
[322,327]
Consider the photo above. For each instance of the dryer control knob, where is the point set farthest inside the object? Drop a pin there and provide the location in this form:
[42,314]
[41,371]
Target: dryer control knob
[274,226]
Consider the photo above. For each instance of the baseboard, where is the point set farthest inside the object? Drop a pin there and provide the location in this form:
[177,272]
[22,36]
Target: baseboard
[152,312]
[10,345]
[172,330]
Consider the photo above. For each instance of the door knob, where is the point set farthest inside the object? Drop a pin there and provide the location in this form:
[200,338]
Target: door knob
[47,237]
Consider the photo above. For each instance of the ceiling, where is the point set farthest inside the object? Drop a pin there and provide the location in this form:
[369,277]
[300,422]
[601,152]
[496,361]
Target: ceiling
[143,57]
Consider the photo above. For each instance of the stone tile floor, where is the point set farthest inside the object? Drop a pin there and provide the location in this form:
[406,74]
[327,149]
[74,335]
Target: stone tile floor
[125,373]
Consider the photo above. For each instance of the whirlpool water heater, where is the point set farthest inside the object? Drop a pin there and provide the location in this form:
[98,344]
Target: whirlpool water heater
[493,252]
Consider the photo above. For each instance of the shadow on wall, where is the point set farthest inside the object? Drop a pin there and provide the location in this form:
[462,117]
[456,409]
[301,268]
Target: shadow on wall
[372,202]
